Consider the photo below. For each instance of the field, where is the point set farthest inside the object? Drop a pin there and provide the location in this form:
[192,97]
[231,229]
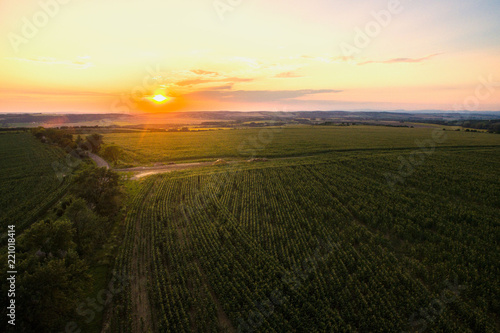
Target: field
[29,182]
[341,229]
[375,234]
[150,147]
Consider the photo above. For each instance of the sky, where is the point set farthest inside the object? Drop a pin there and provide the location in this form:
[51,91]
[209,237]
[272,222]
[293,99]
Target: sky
[131,56]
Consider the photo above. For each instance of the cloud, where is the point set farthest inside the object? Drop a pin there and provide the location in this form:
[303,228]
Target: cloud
[192,82]
[80,62]
[223,87]
[201,81]
[286,75]
[400,60]
[237,79]
[323,59]
[352,60]
[203,72]
[247,61]
[258,95]
[55,92]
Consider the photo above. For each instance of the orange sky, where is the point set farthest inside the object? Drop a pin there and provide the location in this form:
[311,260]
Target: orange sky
[115,56]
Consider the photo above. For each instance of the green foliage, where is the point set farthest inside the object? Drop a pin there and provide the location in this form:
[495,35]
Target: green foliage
[344,250]
[49,293]
[90,228]
[55,136]
[492,126]
[112,153]
[93,143]
[100,189]
[28,177]
[51,277]
[148,147]
[49,238]
[227,242]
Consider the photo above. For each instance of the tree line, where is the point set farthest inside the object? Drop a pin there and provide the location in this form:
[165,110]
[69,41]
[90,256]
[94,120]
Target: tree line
[54,254]
[91,143]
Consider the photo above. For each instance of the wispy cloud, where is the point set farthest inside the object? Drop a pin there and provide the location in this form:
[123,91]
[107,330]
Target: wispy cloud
[192,82]
[400,60]
[286,75]
[323,58]
[204,72]
[197,81]
[53,92]
[254,63]
[223,87]
[81,62]
[237,79]
[258,95]
[352,60]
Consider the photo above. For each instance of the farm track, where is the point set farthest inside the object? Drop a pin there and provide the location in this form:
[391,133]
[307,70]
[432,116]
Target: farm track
[142,318]
[140,172]
[222,317]
[101,162]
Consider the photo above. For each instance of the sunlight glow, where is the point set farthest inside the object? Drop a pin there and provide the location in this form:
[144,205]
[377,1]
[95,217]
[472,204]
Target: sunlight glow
[159,98]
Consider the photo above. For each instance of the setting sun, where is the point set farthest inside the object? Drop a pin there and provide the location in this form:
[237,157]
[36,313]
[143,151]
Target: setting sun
[160,98]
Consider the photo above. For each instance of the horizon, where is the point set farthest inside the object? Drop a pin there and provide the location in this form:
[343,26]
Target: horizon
[209,56]
[254,111]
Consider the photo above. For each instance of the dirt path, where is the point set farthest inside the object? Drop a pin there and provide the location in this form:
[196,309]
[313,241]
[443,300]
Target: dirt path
[140,267]
[148,171]
[141,310]
[224,322]
[101,163]
[140,172]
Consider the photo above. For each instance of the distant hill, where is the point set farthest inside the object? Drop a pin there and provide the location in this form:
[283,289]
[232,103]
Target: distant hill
[115,119]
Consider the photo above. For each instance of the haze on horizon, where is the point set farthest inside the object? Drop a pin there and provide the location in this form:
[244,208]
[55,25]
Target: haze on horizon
[92,56]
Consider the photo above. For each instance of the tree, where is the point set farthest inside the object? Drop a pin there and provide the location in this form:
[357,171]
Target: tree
[112,153]
[90,229]
[100,189]
[93,142]
[78,140]
[50,290]
[48,238]
[56,136]
[51,279]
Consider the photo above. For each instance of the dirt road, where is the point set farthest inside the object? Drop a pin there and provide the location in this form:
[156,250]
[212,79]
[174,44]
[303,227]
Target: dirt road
[148,171]
[101,163]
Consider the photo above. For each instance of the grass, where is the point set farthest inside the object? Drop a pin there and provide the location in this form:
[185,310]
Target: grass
[147,148]
[29,183]
[100,275]
[100,269]
[238,234]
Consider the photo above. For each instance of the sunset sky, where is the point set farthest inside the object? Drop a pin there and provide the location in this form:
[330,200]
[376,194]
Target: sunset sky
[116,56]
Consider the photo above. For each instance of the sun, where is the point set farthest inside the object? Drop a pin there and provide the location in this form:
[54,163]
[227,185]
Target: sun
[159,98]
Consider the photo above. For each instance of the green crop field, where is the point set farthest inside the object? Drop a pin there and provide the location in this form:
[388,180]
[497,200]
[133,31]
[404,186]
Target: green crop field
[29,182]
[340,229]
[327,244]
[146,147]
